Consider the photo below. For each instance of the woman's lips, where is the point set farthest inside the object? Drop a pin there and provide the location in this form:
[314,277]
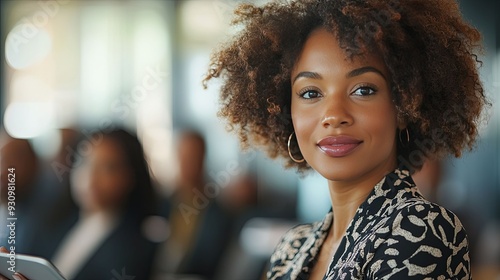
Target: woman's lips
[338,146]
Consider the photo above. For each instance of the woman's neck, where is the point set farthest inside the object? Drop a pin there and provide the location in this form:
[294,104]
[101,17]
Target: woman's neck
[345,202]
[106,213]
[346,197]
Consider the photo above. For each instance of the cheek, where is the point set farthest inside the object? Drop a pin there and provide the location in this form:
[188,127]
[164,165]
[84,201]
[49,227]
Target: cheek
[81,186]
[381,124]
[304,123]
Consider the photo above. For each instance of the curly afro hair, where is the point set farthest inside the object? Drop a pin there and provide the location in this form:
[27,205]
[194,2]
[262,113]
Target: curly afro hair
[429,50]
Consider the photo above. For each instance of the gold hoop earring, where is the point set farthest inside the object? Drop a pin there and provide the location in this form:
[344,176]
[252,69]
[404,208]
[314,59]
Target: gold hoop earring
[289,151]
[407,138]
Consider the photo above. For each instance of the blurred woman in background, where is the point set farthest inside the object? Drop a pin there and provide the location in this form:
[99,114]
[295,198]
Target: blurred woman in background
[112,187]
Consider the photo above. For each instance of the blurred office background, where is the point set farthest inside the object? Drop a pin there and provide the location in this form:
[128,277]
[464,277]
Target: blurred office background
[73,68]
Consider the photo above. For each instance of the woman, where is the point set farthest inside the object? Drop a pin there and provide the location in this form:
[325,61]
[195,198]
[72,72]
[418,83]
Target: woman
[112,187]
[362,92]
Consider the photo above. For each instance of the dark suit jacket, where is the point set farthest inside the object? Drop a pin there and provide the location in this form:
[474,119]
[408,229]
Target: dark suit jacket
[209,244]
[125,254]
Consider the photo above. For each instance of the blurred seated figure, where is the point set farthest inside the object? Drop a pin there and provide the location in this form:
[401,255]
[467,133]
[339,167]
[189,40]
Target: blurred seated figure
[240,198]
[487,252]
[51,192]
[200,228]
[20,168]
[112,188]
[240,195]
[428,179]
[487,265]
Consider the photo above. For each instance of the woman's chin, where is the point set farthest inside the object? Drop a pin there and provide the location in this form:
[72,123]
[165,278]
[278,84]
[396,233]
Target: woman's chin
[337,175]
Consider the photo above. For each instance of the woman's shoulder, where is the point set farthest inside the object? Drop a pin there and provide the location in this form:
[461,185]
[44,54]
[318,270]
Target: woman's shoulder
[421,238]
[300,231]
[421,212]
[297,240]
[291,253]
[419,220]
[294,238]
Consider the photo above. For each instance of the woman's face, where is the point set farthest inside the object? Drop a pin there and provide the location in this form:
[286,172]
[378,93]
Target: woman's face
[104,178]
[342,112]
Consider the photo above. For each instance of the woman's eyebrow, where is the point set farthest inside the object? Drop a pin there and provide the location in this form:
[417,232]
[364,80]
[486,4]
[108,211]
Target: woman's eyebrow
[362,70]
[307,74]
[352,73]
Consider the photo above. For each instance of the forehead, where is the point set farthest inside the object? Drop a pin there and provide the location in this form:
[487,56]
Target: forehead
[322,52]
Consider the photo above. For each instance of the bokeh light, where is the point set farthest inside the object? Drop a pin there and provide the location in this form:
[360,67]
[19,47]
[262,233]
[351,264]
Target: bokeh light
[26,45]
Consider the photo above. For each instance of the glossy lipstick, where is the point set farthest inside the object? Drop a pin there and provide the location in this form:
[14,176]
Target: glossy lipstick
[338,146]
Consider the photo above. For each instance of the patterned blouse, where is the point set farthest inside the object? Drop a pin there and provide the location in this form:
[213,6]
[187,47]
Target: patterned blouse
[395,234]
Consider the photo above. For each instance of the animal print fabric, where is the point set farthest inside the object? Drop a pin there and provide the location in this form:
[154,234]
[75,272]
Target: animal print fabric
[395,234]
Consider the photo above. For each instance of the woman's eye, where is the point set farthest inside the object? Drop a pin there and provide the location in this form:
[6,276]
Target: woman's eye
[364,91]
[310,94]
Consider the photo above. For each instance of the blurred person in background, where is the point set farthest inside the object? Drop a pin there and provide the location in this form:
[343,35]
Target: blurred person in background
[428,179]
[199,226]
[112,187]
[487,264]
[240,199]
[19,155]
[52,191]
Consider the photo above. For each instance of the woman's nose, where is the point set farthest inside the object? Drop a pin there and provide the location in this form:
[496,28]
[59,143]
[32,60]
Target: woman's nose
[337,113]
